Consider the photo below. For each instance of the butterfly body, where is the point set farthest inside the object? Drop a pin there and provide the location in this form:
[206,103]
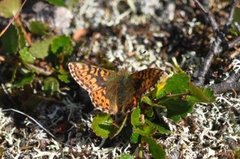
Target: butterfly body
[114,92]
[120,91]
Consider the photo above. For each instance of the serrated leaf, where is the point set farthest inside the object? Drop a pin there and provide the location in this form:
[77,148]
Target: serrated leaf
[21,38]
[158,128]
[26,79]
[135,121]
[64,78]
[51,85]
[40,49]
[176,107]
[26,56]
[144,130]
[10,40]
[147,100]
[155,149]
[62,44]
[149,112]
[8,8]
[38,27]
[135,137]
[202,94]
[178,83]
[63,75]
[125,156]
[102,125]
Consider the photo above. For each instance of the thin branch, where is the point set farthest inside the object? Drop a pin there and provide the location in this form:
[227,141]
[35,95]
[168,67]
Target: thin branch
[234,77]
[32,119]
[208,15]
[215,47]
[202,73]
[234,43]
[225,87]
[36,122]
[230,18]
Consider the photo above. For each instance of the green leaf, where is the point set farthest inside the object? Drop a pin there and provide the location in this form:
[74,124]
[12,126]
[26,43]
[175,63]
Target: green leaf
[147,100]
[57,2]
[21,38]
[26,79]
[1,152]
[155,149]
[125,156]
[135,137]
[237,153]
[176,107]
[63,78]
[26,56]
[159,128]
[8,8]
[135,117]
[236,15]
[62,44]
[202,94]
[40,49]
[144,130]
[102,125]
[149,112]
[51,85]
[38,27]
[178,83]
[71,3]
[63,75]
[10,40]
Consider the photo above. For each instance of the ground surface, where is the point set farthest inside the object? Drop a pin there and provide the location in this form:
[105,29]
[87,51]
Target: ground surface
[131,35]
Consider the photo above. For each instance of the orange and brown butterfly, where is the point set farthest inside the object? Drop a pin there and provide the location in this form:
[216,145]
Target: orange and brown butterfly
[113,92]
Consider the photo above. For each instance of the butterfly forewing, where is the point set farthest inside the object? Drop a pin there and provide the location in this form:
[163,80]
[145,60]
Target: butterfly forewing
[89,77]
[93,79]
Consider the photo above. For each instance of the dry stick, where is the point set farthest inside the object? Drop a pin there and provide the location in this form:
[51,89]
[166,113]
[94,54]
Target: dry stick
[228,85]
[234,43]
[37,123]
[225,86]
[234,77]
[32,119]
[215,47]
[208,15]
[230,18]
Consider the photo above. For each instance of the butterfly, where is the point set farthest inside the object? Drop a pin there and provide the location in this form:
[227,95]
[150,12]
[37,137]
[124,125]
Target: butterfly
[114,92]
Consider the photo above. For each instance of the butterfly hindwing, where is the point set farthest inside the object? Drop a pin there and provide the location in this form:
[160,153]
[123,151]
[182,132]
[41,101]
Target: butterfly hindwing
[142,81]
[146,79]
[100,100]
